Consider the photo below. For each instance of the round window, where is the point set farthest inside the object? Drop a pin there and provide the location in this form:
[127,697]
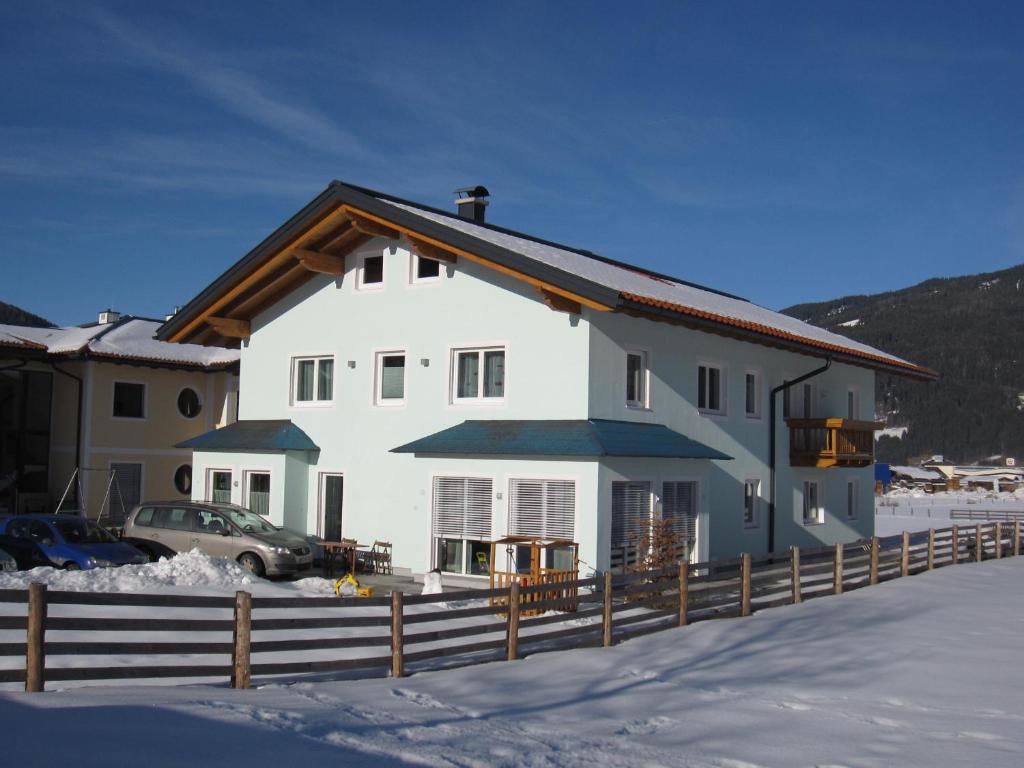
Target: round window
[188,403]
[183,479]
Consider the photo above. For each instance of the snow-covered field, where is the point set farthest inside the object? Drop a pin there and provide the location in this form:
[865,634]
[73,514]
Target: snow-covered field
[913,510]
[921,671]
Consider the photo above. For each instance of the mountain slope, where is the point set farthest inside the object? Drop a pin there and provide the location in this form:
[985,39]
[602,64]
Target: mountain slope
[968,329]
[12,315]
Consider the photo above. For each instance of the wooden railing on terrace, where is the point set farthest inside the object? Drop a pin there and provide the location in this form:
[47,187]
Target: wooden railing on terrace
[831,442]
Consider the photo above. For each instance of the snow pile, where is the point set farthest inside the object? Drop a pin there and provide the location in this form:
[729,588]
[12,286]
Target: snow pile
[852,323]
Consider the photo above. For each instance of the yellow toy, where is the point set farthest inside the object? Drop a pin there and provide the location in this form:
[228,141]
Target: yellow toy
[348,586]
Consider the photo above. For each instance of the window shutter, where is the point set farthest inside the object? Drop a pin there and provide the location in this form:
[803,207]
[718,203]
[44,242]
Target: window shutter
[631,512]
[679,504]
[462,507]
[543,508]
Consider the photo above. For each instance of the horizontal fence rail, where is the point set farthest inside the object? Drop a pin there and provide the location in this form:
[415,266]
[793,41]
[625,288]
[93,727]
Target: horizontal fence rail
[242,638]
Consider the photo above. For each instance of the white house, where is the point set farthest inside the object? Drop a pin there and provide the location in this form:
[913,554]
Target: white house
[424,377]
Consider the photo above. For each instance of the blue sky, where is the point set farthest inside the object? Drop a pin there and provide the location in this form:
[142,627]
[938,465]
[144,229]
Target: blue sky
[785,152]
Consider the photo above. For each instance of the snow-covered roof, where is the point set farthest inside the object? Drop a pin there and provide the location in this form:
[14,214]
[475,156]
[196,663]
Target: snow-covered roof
[917,473]
[129,338]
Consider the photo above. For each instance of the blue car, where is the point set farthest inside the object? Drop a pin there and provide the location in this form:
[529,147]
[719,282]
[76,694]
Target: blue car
[72,542]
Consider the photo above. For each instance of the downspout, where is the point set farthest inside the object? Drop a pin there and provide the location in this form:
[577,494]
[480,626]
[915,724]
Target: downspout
[78,427]
[783,387]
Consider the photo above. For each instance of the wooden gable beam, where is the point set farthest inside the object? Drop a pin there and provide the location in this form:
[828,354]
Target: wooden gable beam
[560,303]
[370,226]
[230,327]
[325,263]
[429,251]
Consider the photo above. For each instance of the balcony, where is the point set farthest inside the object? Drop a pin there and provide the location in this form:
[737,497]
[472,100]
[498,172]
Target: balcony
[831,442]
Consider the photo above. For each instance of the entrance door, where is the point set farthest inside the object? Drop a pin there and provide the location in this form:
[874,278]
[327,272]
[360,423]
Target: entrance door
[332,492]
[125,490]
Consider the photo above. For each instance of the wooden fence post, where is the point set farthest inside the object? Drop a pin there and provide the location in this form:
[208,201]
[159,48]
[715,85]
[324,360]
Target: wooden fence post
[1016,538]
[905,554]
[35,653]
[873,563]
[397,633]
[241,669]
[999,540]
[745,584]
[954,535]
[837,570]
[931,549]
[606,617]
[794,572]
[512,639]
[979,546]
[684,592]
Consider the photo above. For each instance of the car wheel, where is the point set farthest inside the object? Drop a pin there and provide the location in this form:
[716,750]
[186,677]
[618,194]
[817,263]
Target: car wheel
[252,563]
[71,565]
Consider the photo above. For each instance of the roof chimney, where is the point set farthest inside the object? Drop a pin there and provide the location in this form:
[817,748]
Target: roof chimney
[109,316]
[471,203]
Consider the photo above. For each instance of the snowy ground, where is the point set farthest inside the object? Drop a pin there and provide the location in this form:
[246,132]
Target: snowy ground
[920,672]
[912,510]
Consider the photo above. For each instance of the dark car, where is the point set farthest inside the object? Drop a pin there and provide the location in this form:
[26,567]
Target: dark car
[26,553]
[73,542]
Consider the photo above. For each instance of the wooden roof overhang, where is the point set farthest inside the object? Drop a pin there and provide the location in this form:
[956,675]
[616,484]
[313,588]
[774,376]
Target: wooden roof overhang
[343,217]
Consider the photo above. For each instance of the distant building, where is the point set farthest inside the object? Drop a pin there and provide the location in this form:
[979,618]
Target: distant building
[108,398]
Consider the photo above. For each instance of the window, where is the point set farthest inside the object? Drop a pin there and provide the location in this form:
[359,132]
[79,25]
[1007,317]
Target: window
[390,388]
[636,379]
[371,273]
[313,380]
[175,518]
[814,513]
[126,480]
[425,270]
[462,524]
[544,508]
[852,404]
[259,492]
[129,400]
[332,493]
[679,504]
[752,395]
[183,479]
[631,512]
[851,499]
[710,389]
[752,504]
[188,403]
[144,517]
[218,486]
[470,383]
[800,401]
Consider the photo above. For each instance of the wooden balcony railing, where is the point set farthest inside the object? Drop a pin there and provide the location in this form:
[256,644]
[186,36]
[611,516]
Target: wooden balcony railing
[831,442]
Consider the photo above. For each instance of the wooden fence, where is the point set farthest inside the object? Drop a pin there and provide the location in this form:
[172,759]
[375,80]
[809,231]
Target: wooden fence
[405,633]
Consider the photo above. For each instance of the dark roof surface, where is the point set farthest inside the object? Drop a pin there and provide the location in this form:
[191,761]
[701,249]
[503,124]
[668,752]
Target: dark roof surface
[267,435]
[578,437]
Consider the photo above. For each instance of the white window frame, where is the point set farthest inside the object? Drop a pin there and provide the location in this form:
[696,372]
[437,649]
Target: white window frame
[414,262]
[208,490]
[758,393]
[466,564]
[652,503]
[723,388]
[658,488]
[644,403]
[453,374]
[361,284]
[294,388]
[378,378]
[247,482]
[145,401]
[819,517]
[852,498]
[755,519]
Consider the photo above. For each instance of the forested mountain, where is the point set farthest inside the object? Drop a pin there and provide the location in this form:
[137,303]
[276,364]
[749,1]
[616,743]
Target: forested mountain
[968,329]
[12,315]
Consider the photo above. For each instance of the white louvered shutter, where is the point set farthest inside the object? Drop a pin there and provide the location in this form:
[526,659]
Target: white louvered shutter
[462,507]
[631,512]
[679,504]
[543,508]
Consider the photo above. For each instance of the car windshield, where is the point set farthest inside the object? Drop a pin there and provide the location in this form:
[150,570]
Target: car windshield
[83,532]
[247,521]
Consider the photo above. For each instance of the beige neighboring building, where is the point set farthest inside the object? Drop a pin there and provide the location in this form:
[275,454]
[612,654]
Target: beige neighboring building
[108,398]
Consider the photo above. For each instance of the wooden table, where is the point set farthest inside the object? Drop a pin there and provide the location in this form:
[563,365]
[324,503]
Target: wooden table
[346,548]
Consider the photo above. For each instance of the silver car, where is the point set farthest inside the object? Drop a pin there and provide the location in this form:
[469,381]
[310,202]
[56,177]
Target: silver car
[222,530]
